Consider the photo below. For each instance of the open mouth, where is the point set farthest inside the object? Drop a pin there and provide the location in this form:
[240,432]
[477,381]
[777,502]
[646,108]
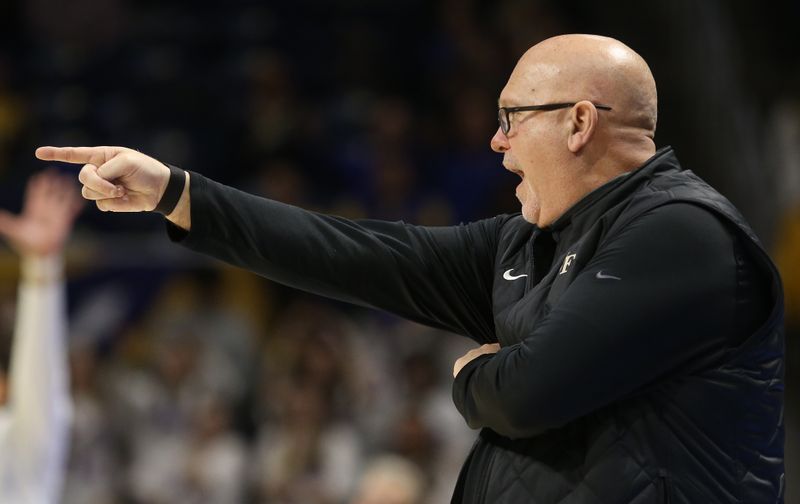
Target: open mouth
[510,165]
[516,172]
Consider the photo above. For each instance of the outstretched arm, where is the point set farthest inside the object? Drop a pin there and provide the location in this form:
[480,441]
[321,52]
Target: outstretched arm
[39,393]
[436,276]
[119,179]
[439,276]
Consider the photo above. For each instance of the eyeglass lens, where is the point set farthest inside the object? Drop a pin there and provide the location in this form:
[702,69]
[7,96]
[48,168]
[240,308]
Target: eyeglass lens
[502,118]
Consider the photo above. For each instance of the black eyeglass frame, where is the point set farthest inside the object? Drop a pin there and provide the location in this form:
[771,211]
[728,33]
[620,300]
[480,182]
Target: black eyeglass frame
[505,112]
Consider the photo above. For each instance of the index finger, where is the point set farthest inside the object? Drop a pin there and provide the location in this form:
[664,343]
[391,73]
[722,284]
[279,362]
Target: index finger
[79,155]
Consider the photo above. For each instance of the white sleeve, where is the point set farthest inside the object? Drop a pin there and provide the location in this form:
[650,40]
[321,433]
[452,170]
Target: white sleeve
[39,405]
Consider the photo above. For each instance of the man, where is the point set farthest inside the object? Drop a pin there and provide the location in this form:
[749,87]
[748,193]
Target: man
[35,415]
[630,321]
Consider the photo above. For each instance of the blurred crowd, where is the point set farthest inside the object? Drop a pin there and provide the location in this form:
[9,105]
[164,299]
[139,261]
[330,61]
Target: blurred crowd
[195,382]
[206,399]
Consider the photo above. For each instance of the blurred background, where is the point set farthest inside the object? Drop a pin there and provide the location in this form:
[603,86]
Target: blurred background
[196,382]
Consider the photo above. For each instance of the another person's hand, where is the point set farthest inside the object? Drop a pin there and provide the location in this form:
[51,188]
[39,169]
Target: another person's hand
[472,354]
[117,179]
[52,202]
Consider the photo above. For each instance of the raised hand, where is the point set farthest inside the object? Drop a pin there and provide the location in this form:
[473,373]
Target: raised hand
[52,202]
[117,179]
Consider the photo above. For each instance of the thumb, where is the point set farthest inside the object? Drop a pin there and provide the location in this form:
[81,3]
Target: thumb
[116,168]
[128,163]
[139,174]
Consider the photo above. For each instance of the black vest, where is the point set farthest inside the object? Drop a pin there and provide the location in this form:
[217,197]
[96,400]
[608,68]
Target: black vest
[616,455]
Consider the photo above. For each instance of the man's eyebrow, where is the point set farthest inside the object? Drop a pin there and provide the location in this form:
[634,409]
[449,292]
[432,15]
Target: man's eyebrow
[508,101]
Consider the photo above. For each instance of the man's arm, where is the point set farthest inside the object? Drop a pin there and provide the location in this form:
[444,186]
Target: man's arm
[39,405]
[439,276]
[665,297]
[436,276]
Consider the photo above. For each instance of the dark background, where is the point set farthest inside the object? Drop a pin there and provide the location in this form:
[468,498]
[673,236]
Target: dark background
[362,108]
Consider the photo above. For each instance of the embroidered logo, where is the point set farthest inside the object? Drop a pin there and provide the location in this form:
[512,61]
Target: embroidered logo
[601,276]
[508,276]
[567,262]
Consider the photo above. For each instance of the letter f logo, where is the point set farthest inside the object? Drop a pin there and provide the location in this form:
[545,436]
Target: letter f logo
[567,262]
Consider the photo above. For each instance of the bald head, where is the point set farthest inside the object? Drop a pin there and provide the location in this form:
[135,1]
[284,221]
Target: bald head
[564,153]
[591,67]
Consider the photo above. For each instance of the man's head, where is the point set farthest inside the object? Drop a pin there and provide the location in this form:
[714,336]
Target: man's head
[564,154]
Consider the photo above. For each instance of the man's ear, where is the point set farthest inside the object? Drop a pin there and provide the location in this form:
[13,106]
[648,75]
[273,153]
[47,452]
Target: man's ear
[583,124]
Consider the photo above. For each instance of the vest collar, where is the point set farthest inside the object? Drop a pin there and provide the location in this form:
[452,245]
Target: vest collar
[588,209]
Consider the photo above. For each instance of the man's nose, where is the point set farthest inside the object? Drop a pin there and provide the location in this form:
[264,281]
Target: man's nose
[499,141]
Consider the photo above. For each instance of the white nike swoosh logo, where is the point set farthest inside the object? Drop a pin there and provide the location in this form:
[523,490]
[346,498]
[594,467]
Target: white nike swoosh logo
[601,276]
[508,276]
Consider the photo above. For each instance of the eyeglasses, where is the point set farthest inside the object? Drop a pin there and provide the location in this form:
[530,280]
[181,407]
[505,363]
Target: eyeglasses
[504,113]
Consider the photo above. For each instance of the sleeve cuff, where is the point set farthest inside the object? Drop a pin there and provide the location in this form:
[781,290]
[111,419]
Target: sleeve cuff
[461,385]
[197,185]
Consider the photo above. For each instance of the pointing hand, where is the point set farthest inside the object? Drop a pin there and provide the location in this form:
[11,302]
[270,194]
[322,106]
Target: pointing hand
[117,179]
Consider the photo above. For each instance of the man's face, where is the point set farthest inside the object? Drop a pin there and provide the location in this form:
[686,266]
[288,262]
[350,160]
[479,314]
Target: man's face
[528,149]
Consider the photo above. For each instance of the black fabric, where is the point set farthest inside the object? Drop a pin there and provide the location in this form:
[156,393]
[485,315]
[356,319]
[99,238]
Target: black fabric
[642,353]
[633,314]
[173,191]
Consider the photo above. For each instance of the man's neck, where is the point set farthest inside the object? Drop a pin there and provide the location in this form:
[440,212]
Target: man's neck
[589,178]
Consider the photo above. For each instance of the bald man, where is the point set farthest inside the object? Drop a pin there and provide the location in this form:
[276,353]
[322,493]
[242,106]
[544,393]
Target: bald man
[629,320]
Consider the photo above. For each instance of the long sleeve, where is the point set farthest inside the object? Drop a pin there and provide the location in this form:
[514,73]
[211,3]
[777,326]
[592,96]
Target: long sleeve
[651,303]
[439,276]
[37,416]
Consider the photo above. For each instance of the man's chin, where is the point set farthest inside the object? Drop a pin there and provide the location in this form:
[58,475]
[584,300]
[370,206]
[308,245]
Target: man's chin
[530,214]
